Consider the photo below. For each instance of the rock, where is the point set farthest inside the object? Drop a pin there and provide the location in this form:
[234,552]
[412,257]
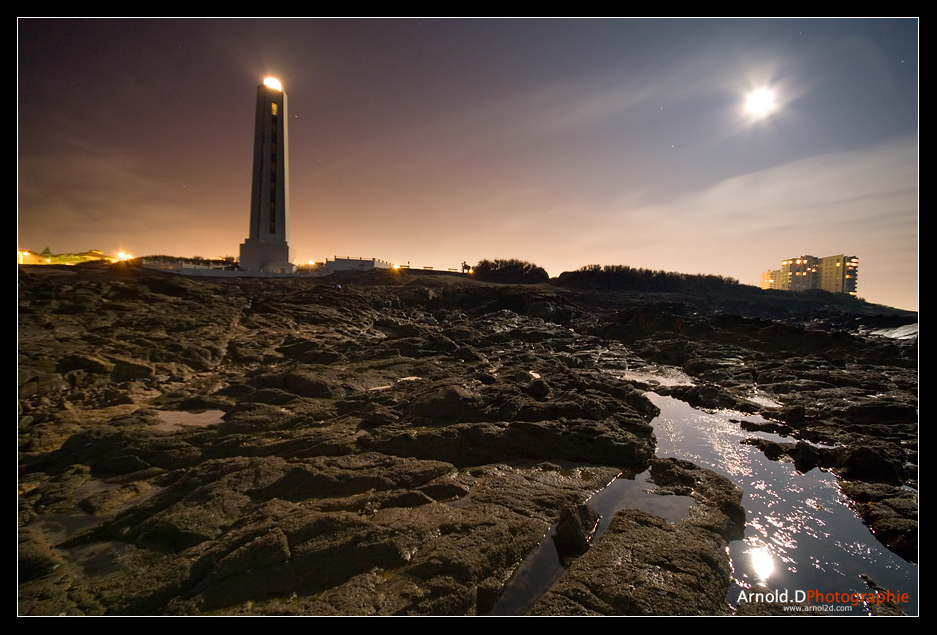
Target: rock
[386,449]
[574,530]
[84,362]
[126,369]
[872,461]
[719,499]
[891,513]
[538,389]
[36,557]
[644,565]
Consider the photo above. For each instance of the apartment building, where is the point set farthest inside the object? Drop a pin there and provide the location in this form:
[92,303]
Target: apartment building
[836,274]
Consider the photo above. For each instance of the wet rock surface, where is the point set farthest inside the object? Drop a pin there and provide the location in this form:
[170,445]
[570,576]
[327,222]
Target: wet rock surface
[574,530]
[645,565]
[397,446]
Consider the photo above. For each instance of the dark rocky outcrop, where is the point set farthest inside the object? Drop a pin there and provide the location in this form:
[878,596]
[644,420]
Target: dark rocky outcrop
[399,447]
[575,529]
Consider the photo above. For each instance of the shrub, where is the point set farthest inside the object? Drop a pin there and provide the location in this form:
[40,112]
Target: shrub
[510,271]
[624,277]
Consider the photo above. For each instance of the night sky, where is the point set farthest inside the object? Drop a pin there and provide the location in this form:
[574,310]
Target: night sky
[430,142]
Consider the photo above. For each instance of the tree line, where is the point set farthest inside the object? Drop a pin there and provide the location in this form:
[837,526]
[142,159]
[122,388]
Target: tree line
[625,277]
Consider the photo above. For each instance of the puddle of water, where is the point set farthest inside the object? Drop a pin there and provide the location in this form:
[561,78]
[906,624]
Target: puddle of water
[98,559]
[534,577]
[173,420]
[765,402]
[58,527]
[542,568]
[92,486]
[633,494]
[661,376]
[389,386]
[801,534]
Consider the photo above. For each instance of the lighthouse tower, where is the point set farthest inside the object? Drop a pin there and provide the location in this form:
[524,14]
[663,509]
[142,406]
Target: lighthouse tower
[266,248]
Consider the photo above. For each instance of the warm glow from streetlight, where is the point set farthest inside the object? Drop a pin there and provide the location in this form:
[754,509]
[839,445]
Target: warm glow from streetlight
[273,82]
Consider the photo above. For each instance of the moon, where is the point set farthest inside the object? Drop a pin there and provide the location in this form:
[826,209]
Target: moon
[760,103]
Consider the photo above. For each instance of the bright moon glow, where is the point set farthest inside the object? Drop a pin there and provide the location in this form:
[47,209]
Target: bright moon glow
[760,102]
[273,82]
[762,563]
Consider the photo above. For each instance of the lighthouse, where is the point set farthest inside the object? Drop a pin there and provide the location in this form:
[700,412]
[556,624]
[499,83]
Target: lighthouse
[266,248]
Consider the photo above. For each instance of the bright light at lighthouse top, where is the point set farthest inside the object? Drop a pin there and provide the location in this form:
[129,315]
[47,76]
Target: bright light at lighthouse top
[273,82]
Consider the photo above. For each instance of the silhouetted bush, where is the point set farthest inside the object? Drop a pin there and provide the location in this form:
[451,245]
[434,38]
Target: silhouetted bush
[510,271]
[628,278]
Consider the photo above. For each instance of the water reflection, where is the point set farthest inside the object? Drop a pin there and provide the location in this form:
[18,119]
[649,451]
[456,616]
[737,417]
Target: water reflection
[800,522]
[800,535]
[542,568]
[762,563]
[173,421]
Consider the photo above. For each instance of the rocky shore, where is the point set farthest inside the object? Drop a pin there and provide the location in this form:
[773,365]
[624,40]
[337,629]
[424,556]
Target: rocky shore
[397,444]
